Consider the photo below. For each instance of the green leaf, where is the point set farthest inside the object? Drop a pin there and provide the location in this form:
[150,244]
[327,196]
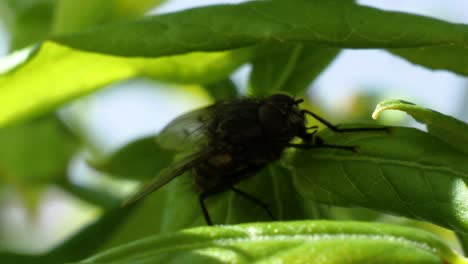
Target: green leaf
[82,244]
[92,195]
[323,242]
[7,15]
[448,129]
[352,26]
[405,172]
[463,240]
[290,68]
[222,90]
[221,27]
[35,152]
[57,74]
[270,73]
[272,186]
[444,57]
[138,160]
[175,206]
[93,13]
[312,62]
[339,23]
[28,21]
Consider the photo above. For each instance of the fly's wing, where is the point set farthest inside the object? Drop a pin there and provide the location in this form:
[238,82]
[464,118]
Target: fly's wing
[169,174]
[188,131]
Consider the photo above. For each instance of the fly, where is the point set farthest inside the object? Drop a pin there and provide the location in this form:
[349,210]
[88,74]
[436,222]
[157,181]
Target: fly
[232,140]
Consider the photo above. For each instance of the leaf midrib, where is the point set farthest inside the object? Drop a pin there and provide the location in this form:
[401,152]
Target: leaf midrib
[377,160]
[293,238]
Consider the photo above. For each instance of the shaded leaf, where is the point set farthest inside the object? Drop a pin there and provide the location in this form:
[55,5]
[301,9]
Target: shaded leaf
[444,57]
[312,62]
[37,151]
[222,90]
[28,21]
[289,242]
[405,172]
[138,160]
[289,68]
[91,195]
[463,240]
[33,154]
[221,27]
[270,73]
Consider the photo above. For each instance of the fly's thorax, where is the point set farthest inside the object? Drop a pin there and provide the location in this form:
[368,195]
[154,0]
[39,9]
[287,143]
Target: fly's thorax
[222,171]
[220,160]
[213,171]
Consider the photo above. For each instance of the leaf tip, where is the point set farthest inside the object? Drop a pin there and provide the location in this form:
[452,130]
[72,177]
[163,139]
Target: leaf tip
[377,111]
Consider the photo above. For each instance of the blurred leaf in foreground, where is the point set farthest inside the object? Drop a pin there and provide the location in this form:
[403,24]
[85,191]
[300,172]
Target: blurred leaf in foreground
[83,243]
[325,242]
[35,153]
[56,74]
[138,160]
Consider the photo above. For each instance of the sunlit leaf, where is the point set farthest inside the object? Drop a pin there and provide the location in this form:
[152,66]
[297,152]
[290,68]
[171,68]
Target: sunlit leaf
[93,13]
[287,242]
[30,22]
[57,74]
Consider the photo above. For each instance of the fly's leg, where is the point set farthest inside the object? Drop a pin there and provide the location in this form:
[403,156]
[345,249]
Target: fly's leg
[340,130]
[241,175]
[312,128]
[320,144]
[208,193]
[202,199]
[254,200]
[354,149]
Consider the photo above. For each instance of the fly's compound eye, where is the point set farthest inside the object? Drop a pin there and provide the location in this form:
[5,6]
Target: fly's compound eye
[286,106]
[272,119]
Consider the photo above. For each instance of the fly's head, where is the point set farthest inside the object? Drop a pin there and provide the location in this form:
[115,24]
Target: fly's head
[281,117]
